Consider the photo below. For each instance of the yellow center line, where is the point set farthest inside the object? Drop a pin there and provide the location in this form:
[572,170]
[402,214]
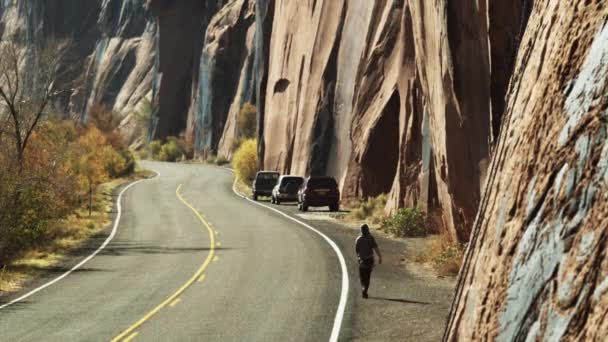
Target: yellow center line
[202,277]
[131,337]
[190,281]
[175,302]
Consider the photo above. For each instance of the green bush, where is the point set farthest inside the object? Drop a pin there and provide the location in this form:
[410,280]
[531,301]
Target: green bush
[407,222]
[248,120]
[245,161]
[172,150]
[154,148]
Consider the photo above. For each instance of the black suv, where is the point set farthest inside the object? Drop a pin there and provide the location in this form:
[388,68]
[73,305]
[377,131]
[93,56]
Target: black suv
[319,192]
[287,189]
[264,183]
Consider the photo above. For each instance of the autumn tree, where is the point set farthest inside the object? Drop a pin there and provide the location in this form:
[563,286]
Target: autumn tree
[27,86]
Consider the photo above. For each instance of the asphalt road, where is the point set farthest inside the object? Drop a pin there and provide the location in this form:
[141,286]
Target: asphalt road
[238,272]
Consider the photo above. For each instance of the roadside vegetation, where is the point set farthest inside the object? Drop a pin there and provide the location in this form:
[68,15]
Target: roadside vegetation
[245,161]
[56,176]
[444,255]
[173,149]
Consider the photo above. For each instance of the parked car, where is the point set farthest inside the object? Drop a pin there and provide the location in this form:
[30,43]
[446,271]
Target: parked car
[319,192]
[263,183]
[286,189]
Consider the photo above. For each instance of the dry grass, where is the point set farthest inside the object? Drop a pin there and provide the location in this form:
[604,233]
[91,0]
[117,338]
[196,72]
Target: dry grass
[66,234]
[370,210]
[444,255]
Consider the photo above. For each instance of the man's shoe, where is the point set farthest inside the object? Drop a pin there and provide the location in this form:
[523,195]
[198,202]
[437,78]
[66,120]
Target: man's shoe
[364,294]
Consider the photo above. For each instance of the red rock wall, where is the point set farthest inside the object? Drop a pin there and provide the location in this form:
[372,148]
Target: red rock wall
[358,111]
[537,266]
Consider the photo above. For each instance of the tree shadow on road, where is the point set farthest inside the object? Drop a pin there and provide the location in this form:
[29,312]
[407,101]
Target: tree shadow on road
[398,300]
[126,248]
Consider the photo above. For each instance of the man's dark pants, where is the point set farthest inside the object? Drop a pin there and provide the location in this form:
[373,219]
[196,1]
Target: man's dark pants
[365,273]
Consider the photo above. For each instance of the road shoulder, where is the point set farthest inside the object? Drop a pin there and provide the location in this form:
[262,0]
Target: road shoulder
[408,302]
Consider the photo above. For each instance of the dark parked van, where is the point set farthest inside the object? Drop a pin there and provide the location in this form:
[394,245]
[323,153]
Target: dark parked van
[264,183]
[319,192]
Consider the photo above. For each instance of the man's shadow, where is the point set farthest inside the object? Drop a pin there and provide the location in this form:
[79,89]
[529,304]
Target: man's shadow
[405,301]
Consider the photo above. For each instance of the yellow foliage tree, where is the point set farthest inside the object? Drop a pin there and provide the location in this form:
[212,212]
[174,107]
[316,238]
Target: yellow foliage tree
[90,155]
[245,161]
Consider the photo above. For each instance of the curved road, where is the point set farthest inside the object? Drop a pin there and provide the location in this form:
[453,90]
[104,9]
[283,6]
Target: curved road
[266,278]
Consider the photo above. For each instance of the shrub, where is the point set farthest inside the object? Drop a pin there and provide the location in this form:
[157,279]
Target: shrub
[371,209]
[154,148]
[119,163]
[248,121]
[448,258]
[245,161]
[444,255]
[407,222]
[172,150]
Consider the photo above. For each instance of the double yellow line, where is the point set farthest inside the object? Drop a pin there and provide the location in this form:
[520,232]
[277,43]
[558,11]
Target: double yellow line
[130,332]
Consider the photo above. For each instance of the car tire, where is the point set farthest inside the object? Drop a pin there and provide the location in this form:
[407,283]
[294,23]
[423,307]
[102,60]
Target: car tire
[334,207]
[255,197]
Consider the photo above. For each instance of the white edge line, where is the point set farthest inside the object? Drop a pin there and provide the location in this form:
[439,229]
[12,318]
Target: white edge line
[335,332]
[87,259]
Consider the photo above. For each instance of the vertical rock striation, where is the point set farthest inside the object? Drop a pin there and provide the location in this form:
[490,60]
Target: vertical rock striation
[121,68]
[537,266]
[226,78]
[181,29]
[111,54]
[388,96]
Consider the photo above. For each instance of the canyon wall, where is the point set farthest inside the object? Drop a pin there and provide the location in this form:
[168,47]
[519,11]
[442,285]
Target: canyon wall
[111,49]
[387,96]
[537,267]
[397,97]
[403,97]
[489,109]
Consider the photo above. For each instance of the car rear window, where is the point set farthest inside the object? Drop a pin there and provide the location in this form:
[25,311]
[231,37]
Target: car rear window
[268,176]
[294,181]
[322,183]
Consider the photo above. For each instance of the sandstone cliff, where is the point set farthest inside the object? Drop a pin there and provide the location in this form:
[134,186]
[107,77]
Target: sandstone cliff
[389,97]
[537,266]
[412,98]
[111,54]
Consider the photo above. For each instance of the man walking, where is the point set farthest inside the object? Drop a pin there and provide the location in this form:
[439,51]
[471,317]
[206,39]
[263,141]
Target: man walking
[365,246]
